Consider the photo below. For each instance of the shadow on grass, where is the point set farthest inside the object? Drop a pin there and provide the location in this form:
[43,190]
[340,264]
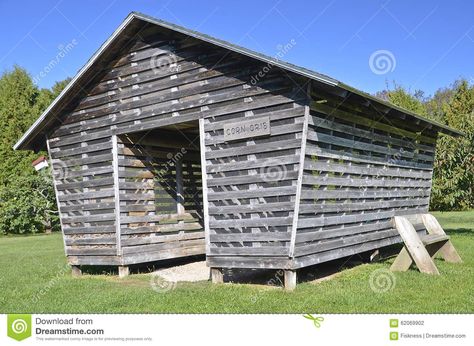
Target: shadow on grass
[459,231]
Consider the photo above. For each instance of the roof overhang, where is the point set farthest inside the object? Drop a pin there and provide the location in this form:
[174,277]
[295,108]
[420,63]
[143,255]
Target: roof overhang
[34,137]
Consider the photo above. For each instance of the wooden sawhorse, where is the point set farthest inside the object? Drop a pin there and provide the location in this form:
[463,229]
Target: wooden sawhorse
[422,249]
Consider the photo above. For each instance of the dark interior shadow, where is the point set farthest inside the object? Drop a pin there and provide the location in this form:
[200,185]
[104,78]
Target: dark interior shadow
[316,272]
[143,268]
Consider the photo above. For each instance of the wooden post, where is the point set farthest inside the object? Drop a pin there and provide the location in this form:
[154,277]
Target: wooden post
[205,201]
[76,271]
[299,182]
[123,271]
[56,194]
[115,165]
[290,280]
[217,276]
[179,187]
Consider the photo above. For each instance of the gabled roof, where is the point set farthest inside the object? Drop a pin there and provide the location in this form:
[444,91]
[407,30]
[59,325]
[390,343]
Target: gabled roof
[32,135]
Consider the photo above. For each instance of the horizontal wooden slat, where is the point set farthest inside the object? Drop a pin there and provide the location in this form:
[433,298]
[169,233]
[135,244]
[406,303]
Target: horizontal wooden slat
[260,222]
[262,192]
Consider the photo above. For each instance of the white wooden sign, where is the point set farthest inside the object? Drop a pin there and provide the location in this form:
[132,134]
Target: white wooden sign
[247,128]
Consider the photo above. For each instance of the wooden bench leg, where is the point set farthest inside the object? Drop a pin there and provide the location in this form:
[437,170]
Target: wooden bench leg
[403,261]
[447,252]
[415,246]
[433,249]
[217,276]
[76,271]
[124,271]
[290,280]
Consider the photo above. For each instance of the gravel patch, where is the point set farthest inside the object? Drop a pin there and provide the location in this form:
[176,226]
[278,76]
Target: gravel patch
[190,272]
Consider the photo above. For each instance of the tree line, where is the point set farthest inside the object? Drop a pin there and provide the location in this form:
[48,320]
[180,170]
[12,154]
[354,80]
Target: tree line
[27,202]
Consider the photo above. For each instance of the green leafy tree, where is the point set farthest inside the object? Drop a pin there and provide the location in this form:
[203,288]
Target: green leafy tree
[401,97]
[27,204]
[453,175]
[18,97]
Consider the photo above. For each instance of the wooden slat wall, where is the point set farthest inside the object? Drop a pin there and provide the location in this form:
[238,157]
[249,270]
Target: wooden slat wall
[252,182]
[360,171]
[151,227]
[160,79]
[84,183]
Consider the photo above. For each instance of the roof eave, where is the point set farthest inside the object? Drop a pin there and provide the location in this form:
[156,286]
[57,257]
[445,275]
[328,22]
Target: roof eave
[35,129]
[438,126]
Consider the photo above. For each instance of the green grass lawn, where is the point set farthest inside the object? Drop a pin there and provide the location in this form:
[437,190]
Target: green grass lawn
[34,278]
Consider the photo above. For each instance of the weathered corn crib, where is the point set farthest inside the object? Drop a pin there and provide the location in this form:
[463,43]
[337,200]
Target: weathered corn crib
[169,143]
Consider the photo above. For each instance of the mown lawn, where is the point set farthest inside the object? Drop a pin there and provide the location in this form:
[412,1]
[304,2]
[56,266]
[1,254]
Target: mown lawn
[34,278]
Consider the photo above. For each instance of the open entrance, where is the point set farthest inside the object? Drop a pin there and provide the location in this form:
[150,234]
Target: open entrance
[161,202]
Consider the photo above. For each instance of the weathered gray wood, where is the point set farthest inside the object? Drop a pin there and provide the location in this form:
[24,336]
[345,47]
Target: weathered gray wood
[304,261]
[92,260]
[299,186]
[290,279]
[364,170]
[263,222]
[56,195]
[353,117]
[124,271]
[447,251]
[314,150]
[250,251]
[415,246]
[179,187]
[90,241]
[252,208]
[115,164]
[402,262]
[205,198]
[352,206]
[217,276]
[152,256]
[253,237]
[323,122]
[154,239]
[275,191]
[76,271]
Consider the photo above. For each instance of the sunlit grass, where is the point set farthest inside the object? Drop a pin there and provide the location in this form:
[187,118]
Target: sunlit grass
[34,278]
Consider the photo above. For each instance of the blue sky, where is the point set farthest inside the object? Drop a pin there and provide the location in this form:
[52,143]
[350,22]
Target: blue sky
[425,44]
